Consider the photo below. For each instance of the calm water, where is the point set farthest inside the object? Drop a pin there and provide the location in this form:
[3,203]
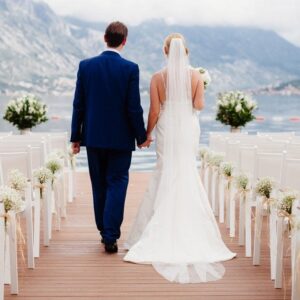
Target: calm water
[276,112]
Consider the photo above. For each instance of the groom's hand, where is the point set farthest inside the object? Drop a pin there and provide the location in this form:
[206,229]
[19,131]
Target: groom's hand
[146,144]
[76,147]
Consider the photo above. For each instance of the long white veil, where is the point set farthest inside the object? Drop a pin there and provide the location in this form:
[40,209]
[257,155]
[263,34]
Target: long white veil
[178,107]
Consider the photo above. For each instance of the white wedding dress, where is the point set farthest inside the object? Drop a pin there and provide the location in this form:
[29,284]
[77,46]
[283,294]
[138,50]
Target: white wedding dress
[175,229]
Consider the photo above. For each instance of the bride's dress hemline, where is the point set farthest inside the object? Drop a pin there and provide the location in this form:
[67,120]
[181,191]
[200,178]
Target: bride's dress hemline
[199,272]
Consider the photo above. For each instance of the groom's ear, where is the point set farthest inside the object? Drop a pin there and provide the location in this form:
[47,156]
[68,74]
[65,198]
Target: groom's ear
[124,42]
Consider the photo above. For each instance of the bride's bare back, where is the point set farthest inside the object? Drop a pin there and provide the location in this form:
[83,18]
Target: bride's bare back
[158,95]
[159,80]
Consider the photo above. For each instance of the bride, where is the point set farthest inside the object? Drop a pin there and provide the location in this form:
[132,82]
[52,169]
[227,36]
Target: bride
[175,229]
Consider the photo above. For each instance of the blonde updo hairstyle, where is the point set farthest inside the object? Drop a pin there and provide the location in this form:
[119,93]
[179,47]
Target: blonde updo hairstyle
[168,40]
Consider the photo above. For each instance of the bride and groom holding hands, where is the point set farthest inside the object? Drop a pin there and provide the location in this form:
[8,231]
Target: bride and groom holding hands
[175,229]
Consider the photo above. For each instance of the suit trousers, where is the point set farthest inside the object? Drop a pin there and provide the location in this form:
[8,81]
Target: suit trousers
[109,177]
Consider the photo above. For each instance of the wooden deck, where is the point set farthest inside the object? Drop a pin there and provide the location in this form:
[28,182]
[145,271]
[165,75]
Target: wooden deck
[75,265]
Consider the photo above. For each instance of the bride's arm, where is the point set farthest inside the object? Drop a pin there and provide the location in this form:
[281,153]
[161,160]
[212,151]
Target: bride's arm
[198,91]
[154,110]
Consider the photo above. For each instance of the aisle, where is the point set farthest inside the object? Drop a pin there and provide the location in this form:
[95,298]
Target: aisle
[76,267]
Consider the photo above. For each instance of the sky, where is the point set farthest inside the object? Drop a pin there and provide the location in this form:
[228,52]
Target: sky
[282,16]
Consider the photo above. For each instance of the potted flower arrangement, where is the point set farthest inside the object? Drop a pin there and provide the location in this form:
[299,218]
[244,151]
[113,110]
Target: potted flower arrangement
[235,108]
[25,113]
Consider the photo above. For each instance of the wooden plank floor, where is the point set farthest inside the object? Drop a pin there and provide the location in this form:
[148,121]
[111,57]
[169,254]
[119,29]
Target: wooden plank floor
[75,265]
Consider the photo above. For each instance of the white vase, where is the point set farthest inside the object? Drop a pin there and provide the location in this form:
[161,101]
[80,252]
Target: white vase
[25,131]
[235,129]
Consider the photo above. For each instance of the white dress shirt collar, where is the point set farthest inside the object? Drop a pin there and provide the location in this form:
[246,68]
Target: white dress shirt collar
[113,50]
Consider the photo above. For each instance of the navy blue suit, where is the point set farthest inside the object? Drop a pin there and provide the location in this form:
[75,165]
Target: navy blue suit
[108,119]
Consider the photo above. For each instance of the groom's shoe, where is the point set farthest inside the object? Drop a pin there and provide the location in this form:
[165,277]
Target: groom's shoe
[111,248]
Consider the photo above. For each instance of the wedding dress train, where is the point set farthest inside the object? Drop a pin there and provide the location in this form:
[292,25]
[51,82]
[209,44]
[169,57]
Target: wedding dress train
[175,229]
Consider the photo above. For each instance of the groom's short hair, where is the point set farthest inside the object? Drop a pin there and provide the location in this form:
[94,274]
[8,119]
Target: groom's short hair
[115,34]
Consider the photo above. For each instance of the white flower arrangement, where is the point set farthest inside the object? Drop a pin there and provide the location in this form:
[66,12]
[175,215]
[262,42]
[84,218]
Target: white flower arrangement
[42,176]
[205,76]
[227,169]
[235,108]
[286,201]
[215,159]
[26,112]
[11,199]
[204,153]
[264,187]
[242,182]
[17,180]
[54,164]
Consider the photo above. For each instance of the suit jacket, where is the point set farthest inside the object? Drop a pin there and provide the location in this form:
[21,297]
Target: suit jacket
[107,112]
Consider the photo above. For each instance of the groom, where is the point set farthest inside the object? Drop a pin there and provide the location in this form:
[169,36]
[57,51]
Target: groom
[108,119]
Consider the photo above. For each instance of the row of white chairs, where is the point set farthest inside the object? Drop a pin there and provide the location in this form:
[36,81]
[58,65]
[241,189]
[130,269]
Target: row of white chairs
[28,153]
[275,155]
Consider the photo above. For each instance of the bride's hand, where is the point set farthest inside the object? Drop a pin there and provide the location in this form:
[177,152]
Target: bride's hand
[149,138]
[147,143]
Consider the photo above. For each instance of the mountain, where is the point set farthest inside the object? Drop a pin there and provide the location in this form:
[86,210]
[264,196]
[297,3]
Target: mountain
[40,50]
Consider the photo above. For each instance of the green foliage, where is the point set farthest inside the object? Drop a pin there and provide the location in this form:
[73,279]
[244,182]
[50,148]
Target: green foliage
[26,112]
[235,109]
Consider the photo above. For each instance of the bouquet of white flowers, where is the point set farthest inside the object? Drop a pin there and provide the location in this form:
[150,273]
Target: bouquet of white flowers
[286,201]
[11,199]
[203,152]
[26,112]
[241,182]
[54,164]
[17,180]
[227,169]
[215,159]
[235,109]
[264,187]
[42,175]
[205,76]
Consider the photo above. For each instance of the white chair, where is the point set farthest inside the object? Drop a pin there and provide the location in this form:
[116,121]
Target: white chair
[295,139]
[59,141]
[250,140]
[2,251]
[9,261]
[4,134]
[218,143]
[22,162]
[295,255]
[37,150]
[246,165]
[290,180]
[267,165]
[37,154]
[42,141]
[277,135]
[272,146]
[232,155]
[293,150]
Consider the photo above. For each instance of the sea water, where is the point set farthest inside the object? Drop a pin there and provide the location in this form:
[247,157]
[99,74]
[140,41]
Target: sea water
[275,113]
